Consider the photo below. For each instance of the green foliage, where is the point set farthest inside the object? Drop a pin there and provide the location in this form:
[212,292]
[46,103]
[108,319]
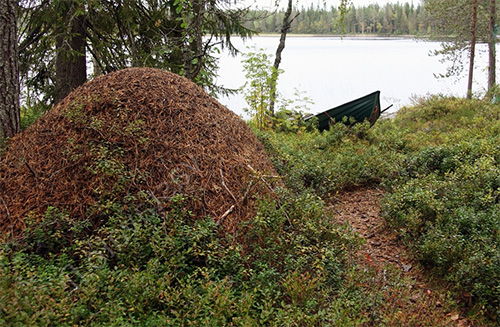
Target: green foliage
[440,162]
[328,162]
[50,235]
[439,120]
[445,201]
[149,267]
[457,49]
[168,35]
[259,75]
[287,266]
[30,112]
[292,120]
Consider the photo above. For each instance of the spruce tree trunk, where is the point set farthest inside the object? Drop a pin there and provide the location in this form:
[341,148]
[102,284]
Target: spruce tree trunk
[492,47]
[193,53]
[71,65]
[176,57]
[9,70]
[472,49]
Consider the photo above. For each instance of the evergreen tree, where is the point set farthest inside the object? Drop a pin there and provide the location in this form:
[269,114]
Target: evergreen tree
[70,41]
[468,22]
[179,36]
[390,19]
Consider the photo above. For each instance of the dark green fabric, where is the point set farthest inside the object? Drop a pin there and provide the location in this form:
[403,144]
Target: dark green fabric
[367,107]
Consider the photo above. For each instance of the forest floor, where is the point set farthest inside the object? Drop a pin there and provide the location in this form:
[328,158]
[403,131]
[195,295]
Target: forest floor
[404,294]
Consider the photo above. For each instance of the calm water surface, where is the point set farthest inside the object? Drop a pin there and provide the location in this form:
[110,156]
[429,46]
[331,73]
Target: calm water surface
[332,71]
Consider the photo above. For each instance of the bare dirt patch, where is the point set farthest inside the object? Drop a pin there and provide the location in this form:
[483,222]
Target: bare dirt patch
[407,296]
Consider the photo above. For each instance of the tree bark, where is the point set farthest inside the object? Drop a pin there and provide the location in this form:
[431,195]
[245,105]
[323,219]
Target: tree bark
[176,57]
[277,59]
[9,70]
[71,65]
[472,48]
[194,52]
[492,47]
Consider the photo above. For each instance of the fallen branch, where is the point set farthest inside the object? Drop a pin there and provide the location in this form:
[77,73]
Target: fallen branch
[247,191]
[31,170]
[262,178]
[227,189]
[221,218]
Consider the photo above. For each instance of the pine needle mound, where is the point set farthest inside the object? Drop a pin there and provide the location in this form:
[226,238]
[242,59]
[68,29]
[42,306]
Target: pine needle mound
[141,134]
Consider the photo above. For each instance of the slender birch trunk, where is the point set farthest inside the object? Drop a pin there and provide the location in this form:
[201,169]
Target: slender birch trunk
[277,59]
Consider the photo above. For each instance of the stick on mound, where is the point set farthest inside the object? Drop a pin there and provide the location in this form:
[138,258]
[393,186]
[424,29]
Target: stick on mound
[138,134]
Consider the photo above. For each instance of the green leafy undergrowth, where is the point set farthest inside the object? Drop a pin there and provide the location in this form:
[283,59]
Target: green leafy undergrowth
[446,199]
[439,161]
[289,265]
[30,112]
[332,160]
[439,120]
[149,268]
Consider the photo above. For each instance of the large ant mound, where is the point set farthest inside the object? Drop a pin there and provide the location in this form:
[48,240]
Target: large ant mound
[139,134]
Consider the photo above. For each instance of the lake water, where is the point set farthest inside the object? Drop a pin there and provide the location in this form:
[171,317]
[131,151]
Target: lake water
[333,70]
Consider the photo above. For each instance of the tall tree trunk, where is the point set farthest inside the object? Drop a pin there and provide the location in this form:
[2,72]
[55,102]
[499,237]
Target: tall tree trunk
[472,48]
[9,70]
[71,65]
[492,47]
[277,59]
[176,57]
[193,53]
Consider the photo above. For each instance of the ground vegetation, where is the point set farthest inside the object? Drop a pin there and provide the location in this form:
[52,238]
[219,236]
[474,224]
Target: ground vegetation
[139,200]
[294,261]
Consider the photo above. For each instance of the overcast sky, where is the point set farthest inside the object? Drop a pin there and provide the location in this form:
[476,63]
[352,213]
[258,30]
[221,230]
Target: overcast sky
[306,3]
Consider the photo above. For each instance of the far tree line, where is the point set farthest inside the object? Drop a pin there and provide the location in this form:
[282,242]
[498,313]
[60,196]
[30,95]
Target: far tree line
[390,19]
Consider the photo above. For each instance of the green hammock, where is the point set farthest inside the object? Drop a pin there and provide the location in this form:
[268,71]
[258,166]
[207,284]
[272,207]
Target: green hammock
[365,108]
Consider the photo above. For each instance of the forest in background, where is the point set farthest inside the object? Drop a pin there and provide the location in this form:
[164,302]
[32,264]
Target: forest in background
[390,19]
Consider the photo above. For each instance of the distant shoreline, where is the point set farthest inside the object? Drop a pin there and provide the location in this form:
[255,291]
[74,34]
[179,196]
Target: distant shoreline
[347,36]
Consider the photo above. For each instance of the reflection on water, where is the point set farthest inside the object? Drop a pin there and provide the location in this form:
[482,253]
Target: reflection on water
[332,71]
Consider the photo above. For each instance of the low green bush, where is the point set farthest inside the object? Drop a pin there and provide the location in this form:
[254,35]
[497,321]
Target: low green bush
[330,161]
[30,112]
[148,268]
[445,201]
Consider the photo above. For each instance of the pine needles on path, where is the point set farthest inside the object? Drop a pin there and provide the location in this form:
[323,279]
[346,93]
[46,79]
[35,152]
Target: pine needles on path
[401,294]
